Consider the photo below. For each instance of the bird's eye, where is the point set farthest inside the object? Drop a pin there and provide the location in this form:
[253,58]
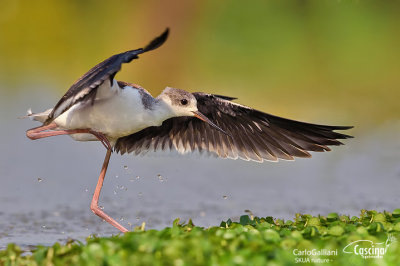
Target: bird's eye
[184,101]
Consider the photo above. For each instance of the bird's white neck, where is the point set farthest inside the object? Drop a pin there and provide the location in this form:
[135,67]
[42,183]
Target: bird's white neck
[160,111]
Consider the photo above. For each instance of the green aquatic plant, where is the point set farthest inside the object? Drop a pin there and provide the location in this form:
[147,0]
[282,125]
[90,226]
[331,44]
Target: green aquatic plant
[335,239]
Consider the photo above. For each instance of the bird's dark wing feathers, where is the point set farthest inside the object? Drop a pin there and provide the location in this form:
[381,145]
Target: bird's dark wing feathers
[84,89]
[254,135]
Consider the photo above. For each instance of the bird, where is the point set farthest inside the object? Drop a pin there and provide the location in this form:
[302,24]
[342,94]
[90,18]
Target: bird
[126,118]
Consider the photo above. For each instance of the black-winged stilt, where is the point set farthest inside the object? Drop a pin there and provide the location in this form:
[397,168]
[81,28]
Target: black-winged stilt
[126,118]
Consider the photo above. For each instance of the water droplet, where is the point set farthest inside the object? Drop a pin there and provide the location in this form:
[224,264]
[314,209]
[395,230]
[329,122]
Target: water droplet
[62,232]
[121,187]
[86,190]
[39,179]
[125,167]
[160,178]
[101,207]
[43,226]
[115,192]
[126,189]
[140,194]
[137,218]
[138,177]
[224,197]
[132,179]
[116,176]
[121,219]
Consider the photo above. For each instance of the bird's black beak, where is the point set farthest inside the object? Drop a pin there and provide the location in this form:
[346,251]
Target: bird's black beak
[208,121]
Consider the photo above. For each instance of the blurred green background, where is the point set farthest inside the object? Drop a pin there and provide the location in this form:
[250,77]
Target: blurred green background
[324,61]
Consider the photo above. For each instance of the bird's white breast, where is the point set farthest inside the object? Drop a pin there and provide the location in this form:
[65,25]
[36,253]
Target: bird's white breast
[115,112]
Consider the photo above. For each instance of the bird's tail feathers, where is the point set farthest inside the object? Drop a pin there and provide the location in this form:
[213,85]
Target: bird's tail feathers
[41,117]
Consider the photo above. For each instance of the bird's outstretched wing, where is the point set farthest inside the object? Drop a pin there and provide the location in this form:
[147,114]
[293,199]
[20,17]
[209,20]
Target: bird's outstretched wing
[251,134]
[84,89]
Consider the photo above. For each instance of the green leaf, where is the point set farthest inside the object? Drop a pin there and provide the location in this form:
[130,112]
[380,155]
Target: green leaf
[245,219]
[396,213]
[332,217]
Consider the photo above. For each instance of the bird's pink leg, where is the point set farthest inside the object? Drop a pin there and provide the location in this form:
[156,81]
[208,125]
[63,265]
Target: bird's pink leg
[94,206]
[40,132]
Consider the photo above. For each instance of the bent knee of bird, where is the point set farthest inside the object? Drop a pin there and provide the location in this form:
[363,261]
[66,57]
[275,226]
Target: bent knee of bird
[94,208]
[31,134]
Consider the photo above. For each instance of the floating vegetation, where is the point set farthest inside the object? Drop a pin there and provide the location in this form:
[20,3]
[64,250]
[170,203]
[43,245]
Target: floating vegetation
[333,239]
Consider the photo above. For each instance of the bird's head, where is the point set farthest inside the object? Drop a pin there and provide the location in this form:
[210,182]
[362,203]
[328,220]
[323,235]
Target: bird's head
[183,103]
[179,102]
